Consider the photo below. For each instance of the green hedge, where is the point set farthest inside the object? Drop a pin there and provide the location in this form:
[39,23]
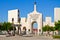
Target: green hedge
[56,36]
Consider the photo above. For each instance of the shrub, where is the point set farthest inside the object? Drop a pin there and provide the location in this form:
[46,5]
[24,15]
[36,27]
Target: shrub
[56,36]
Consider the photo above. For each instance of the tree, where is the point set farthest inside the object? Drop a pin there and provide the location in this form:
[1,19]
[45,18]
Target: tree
[7,26]
[57,25]
[52,28]
[0,26]
[46,28]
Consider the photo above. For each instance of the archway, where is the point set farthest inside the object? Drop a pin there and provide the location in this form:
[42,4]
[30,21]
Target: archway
[34,27]
[24,30]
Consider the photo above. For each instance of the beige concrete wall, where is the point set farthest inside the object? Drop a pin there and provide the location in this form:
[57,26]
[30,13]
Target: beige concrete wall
[48,21]
[56,14]
[13,14]
[23,23]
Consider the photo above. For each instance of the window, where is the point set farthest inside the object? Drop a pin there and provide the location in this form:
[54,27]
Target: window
[12,19]
[39,30]
[28,29]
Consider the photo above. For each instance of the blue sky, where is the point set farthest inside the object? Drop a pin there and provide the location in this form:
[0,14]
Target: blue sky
[46,7]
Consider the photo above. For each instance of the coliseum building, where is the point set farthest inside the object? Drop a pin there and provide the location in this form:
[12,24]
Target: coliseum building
[27,23]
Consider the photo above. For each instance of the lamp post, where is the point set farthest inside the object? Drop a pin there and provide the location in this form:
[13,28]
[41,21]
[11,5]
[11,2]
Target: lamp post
[13,27]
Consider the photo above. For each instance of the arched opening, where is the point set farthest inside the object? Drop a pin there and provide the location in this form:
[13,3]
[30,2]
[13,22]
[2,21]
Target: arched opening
[34,27]
[24,30]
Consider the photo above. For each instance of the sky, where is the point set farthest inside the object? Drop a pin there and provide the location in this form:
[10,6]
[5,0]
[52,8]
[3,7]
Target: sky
[46,7]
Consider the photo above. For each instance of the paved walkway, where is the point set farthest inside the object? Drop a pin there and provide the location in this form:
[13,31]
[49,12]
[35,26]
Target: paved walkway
[26,38]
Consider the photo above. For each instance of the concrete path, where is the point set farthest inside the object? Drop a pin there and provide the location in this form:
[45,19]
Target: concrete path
[3,37]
